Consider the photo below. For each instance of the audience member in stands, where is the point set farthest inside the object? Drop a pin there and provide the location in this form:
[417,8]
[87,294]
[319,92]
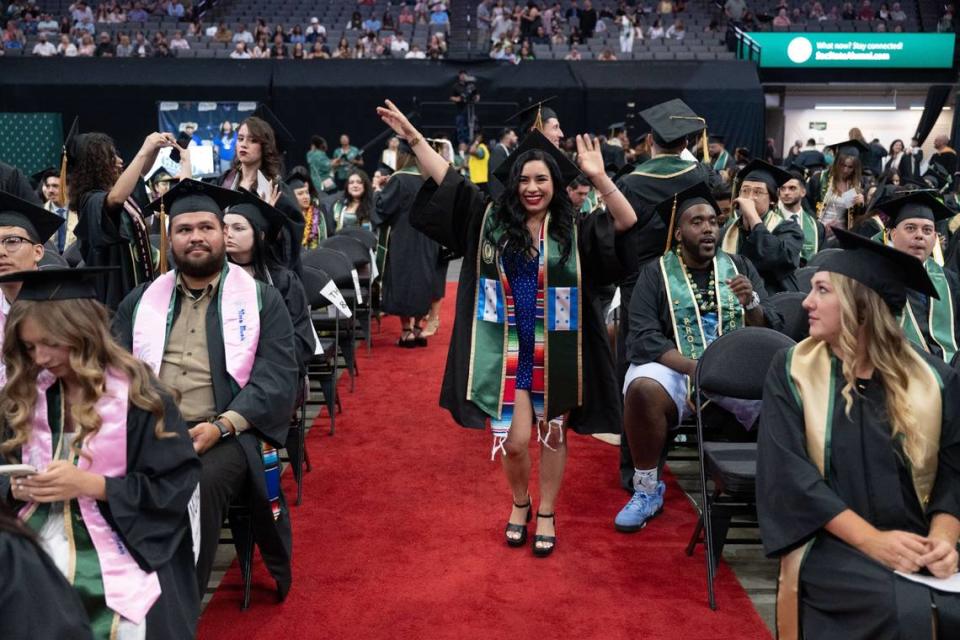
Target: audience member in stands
[945,25]
[240,52]
[355,23]
[105,48]
[782,19]
[866,11]
[87,47]
[406,16]
[44,48]
[243,35]
[656,30]
[124,46]
[676,31]
[298,53]
[884,12]
[734,10]
[278,50]
[848,13]
[162,51]
[399,46]
[319,50]
[897,14]
[13,37]
[262,50]
[606,56]
[141,47]
[372,23]
[66,48]
[224,34]
[179,42]
[588,19]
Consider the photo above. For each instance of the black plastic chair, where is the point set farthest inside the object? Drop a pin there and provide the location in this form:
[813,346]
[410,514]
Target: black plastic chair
[296,444]
[821,256]
[339,268]
[368,238]
[803,278]
[790,305]
[734,365]
[323,369]
[52,260]
[240,521]
[359,254]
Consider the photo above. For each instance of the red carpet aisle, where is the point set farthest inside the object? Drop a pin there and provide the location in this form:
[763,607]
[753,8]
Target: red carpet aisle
[401,536]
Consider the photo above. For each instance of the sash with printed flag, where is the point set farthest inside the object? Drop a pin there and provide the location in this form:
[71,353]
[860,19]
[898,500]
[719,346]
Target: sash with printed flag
[732,237]
[491,381]
[940,318]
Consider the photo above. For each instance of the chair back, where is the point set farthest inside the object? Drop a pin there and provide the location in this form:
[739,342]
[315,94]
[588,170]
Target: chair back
[52,260]
[368,238]
[790,305]
[736,363]
[819,257]
[804,276]
[350,247]
[337,265]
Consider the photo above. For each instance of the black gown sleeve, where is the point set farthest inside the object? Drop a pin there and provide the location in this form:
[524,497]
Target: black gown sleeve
[777,252]
[793,500]
[598,248]
[98,226]
[946,490]
[774,319]
[445,212]
[35,599]
[295,298]
[122,324]
[390,202]
[148,506]
[648,338]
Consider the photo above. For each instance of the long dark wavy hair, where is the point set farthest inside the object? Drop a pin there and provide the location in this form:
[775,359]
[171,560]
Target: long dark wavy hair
[271,165]
[365,208]
[263,258]
[92,167]
[511,216]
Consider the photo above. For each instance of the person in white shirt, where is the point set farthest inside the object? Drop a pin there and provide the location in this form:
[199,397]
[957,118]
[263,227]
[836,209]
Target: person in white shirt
[48,25]
[399,47]
[240,52]
[242,35]
[656,31]
[66,48]
[44,48]
[676,31]
[316,28]
[415,54]
[178,41]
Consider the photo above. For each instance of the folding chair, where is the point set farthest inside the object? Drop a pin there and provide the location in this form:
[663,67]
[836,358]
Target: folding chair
[734,365]
[359,254]
[339,268]
[323,369]
[790,305]
[295,445]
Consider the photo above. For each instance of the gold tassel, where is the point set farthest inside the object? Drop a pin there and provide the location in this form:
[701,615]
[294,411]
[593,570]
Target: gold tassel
[62,197]
[538,122]
[673,217]
[164,241]
[706,142]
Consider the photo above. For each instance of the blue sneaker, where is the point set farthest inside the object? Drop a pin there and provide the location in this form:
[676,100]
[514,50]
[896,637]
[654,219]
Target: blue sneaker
[641,508]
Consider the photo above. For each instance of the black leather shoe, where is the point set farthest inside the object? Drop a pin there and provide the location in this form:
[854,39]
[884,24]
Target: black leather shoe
[551,541]
[519,528]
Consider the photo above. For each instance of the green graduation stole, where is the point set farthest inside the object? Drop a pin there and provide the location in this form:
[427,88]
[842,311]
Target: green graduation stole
[811,236]
[940,318]
[562,324]
[684,310]
[732,236]
[720,162]
[665,166]
[814,375]
[591,202]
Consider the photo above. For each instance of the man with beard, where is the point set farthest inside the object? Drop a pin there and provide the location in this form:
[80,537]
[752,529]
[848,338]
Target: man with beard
[224,341]
[680,304]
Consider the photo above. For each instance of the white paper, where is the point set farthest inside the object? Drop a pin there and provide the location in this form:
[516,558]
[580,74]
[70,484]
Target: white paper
[356,285]
[374,272]
[332,293]
[317,350]
[950,585]
[847,197]
[193,511]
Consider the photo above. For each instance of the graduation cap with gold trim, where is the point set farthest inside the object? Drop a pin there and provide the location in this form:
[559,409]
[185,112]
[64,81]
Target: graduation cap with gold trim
[914,204]
[537,141]
[39,223]
[672,208]
[45,285]
[535,115]
[673,121]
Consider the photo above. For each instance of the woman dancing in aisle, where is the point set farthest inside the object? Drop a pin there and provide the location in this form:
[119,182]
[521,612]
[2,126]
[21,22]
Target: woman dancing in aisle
[526,326]
[116,467]
[859,460]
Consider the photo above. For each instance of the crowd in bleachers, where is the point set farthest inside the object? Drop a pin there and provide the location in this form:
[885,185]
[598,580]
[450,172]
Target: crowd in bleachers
[172,28]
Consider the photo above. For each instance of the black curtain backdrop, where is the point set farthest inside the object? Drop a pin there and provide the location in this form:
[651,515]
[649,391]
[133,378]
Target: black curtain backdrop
[936,98]
[330,97]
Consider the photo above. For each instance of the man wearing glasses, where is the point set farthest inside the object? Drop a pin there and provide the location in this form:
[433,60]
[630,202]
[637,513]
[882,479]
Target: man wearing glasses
[759,231]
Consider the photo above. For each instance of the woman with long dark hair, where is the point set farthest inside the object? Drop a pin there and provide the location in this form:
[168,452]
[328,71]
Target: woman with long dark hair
[859,459]
[898,161]
[839,193]
[529,345]
[356,205]
[115,465]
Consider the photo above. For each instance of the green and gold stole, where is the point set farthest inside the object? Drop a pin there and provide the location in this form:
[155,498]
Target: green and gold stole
[815,378]
[811,236]
[560,290]
[732,235]
[720,162]
[685,312]
[665,166]
[940,318]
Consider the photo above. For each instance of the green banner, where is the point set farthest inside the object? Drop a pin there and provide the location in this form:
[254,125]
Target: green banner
[31,141]
[850,50]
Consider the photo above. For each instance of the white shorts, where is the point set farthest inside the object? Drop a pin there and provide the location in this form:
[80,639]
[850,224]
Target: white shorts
[676,385]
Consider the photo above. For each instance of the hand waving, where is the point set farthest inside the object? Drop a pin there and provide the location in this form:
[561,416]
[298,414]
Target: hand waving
[395,119]
[589,157]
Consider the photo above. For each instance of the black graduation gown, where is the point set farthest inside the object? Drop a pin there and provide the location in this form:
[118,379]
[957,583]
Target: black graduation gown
[36,601]
[148,509]
[844,593]
[452,213]
[295,300]
[266,402]
[106,239]
[775,254]
[411,270]
[13,181]
[651,329]
[921,311]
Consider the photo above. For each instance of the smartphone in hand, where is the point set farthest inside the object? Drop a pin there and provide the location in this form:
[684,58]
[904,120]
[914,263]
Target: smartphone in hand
[17,470]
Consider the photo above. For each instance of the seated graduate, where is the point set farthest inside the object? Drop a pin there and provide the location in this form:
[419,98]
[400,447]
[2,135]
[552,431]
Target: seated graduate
[759,231]
[680,304]
[314,218]
[253,232]
[793,194]
[116,469]
[111,228]
[859,460]
[930,323]
[31,577]
[24,229]
[529,345]
[228,348]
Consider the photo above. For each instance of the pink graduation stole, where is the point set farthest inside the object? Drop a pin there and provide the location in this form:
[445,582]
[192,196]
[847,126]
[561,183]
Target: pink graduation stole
[129,590]
[239,309]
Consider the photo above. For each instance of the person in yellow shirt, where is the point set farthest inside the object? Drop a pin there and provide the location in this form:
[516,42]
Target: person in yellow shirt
[478,162]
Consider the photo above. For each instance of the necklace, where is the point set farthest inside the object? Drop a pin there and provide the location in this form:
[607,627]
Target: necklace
[706,298]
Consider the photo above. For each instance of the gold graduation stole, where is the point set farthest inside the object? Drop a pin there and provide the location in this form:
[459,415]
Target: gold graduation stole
[685,312]
[732,236]
[814,375]
[940,320]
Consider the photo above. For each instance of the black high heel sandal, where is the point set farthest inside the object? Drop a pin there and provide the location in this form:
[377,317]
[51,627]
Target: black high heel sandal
[519,528]
[418,340]
[543,552]
[405,342]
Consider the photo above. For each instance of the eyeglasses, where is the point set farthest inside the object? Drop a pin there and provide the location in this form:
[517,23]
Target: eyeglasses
[12,244]
[749,192]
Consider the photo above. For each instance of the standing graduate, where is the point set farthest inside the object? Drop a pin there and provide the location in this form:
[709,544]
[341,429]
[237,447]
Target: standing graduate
[410,267]
[528,347]
[837,192]
[793,194]
[759,232]
[115,465]
[928,322]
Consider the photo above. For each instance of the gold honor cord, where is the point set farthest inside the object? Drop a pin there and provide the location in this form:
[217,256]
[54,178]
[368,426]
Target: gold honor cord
[164,239]
[62,195]
[706,150]
[673,221]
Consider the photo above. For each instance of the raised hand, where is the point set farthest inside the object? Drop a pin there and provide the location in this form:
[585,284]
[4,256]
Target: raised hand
[394,118]
[742,288]
[589,157]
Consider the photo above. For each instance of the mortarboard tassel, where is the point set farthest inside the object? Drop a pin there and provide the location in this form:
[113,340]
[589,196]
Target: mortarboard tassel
[673,221]
[164,240]
[538,122]
[62,196]
[706,152]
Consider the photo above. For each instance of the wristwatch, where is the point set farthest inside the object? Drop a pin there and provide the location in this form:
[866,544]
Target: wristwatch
[754,302]
[222,428]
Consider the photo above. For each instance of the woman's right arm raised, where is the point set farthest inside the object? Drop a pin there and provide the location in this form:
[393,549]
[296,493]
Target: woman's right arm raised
[431,163]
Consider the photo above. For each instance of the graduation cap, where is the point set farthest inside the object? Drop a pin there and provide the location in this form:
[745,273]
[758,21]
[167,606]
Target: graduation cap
[672,121]
[883,269]
[42,175]
[537,141]
[385,169]
[797,171]
[853,148]
[672,208]
[59,283]
[70,151]
[914,204]
[285,139]
[716,137]
[39,223]
[263,216]
[615,128]
[404,147]
[760,171]
[534,116]
[160,175]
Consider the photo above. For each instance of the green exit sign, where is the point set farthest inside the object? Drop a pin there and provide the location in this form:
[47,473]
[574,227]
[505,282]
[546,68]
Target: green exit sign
[850,50]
